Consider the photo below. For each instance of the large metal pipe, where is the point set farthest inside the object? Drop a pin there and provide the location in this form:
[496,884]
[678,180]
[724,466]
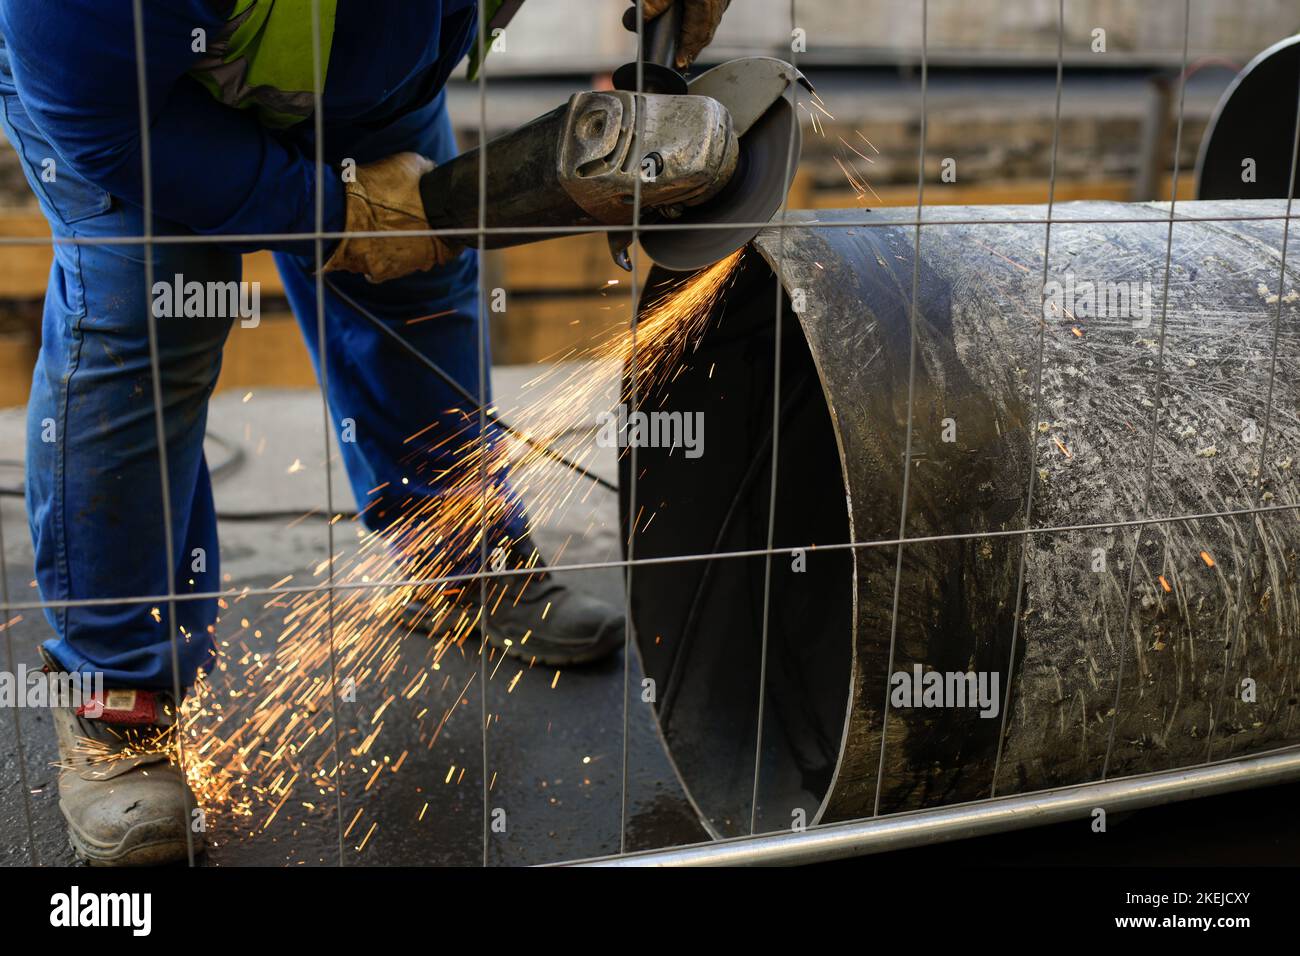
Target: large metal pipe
[1134,644]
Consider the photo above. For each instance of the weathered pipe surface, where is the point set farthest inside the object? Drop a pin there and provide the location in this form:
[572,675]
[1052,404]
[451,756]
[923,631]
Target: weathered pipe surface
[1201,615]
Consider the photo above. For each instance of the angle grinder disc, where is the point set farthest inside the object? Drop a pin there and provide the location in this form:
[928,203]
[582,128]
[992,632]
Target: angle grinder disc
[765,166]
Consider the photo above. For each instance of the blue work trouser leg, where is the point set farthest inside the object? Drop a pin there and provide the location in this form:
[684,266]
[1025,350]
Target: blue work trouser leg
[380,396]
[94,486]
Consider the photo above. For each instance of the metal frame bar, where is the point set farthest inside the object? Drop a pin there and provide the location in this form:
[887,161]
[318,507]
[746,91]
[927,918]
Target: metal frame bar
[484,367]
[318,119]
[827,841]
[779,298]
[634,381]
[897,831]
[155,377]
[558,231]
[911,404]
[672,559]
[1032,480]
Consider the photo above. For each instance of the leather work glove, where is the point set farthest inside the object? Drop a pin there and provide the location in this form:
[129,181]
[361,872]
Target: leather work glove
[699,22]
[384,197]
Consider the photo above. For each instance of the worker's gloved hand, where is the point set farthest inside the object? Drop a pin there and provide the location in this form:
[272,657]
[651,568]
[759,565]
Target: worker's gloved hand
[699,22]
[386,197]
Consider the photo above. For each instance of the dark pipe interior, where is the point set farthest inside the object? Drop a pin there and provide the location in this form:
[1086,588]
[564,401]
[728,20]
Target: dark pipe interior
[698,624]
[1256,119]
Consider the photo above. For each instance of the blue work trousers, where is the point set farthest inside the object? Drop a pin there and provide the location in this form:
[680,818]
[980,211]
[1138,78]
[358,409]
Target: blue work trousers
[94,487]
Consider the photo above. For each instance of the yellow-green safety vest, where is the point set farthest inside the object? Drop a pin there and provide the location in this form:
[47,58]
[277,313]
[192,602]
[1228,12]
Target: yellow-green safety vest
[262,59]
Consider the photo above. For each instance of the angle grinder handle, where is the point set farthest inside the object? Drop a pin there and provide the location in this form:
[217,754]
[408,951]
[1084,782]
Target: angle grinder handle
[658,53]
[660,37]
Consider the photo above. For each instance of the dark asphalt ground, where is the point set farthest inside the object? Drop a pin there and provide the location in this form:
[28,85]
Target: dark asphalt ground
[557,755]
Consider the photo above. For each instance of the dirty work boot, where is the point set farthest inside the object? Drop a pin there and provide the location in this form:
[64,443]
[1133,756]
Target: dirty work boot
[536,618]
[125,802]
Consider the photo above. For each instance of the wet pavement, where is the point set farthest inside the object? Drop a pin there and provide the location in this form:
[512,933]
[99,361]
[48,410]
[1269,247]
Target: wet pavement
[554,748]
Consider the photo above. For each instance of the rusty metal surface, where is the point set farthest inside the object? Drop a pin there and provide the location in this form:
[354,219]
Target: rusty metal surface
[1212,600]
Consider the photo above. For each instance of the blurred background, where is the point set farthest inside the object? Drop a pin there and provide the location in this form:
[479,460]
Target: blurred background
[990,106]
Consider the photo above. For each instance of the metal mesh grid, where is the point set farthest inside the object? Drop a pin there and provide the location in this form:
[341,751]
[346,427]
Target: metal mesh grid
[1138,525]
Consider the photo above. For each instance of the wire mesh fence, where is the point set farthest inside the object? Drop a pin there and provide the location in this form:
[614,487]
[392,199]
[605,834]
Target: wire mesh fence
[340,591]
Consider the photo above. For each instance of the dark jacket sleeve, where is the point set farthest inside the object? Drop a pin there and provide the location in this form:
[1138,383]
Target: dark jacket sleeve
[214,168]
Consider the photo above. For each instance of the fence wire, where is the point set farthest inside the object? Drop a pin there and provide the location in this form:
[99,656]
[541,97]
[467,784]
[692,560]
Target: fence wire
[1031,481]
[155,376]
[1149,469]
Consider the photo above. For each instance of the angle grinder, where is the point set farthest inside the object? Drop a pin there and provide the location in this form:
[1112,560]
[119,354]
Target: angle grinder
[712,158]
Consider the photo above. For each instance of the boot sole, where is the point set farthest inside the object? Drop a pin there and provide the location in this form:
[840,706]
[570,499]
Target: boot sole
[157,853]
[545,653]
[551,656]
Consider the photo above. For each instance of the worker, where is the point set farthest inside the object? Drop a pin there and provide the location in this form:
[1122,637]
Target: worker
[230,156]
